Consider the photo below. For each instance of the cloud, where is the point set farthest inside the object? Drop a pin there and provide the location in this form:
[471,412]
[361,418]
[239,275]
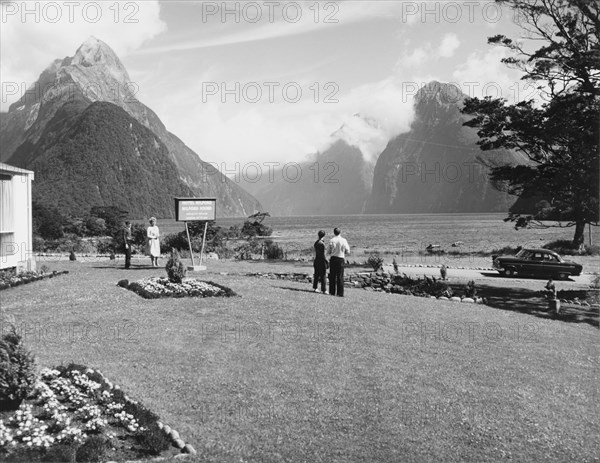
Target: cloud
[282,131]
[417,57]
[483,74]
[448,46]
[273,20]
[420,55]
[33,34]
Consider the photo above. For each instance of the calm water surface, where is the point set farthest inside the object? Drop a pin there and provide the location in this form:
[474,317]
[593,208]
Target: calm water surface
[393,232]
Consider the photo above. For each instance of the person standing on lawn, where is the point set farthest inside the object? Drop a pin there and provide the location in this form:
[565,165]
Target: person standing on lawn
[320,264]
[337,249]
[153,244]
[128,241]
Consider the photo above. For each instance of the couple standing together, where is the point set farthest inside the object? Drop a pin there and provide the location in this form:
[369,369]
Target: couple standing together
[337,250]
[152,242]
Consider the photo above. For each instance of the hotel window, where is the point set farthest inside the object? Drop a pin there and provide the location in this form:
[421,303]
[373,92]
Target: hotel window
[7,220]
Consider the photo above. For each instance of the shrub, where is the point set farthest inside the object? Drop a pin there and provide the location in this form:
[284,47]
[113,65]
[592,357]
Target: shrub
[251,229]
[272,250]
[176,270]
[94,449]
[17,369]
[375,261]
[153,440]
[470,290]
[176,241]
[421,287]
[247,250]
[566,247]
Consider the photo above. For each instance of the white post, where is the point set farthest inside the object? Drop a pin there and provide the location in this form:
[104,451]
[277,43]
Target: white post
[203,241]
[190,244]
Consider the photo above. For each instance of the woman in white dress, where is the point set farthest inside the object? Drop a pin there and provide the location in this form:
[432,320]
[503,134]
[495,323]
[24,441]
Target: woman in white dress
[153,243]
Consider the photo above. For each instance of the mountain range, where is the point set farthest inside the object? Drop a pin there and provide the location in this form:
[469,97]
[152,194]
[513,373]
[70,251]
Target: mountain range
[437,166]
[90,142]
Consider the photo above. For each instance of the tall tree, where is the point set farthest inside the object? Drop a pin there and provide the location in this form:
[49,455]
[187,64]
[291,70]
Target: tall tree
[559,132]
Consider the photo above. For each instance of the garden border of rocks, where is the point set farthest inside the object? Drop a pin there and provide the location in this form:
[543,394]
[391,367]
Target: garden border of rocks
[171,433]
[369,281]
[30,279]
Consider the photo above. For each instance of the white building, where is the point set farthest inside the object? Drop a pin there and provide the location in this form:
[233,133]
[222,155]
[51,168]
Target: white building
[16,245]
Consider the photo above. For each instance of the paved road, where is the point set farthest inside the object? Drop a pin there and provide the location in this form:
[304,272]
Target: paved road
[492,277]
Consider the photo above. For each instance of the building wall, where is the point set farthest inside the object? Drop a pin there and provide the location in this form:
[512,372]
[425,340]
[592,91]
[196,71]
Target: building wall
[16,247]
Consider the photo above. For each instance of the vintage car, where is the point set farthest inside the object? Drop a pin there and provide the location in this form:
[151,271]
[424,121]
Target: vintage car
[542,262]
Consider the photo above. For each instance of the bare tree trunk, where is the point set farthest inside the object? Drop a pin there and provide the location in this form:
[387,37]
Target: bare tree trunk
[579,236]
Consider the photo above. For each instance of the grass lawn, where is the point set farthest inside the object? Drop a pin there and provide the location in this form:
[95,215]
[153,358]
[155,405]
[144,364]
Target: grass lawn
[283,374]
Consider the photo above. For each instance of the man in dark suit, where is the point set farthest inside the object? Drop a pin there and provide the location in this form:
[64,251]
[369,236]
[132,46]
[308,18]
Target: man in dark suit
[128,241]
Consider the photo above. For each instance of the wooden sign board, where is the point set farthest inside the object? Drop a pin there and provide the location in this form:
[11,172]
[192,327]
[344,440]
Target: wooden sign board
[195,209]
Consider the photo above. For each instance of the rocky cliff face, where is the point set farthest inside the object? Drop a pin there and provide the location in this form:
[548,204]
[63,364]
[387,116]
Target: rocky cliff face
[95,74]
[336,181]
[437,166]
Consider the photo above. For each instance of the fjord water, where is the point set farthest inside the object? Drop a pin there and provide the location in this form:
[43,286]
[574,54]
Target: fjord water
[405,232]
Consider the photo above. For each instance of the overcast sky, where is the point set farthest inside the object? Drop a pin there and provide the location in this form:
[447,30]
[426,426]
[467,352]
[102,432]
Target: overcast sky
[271,81]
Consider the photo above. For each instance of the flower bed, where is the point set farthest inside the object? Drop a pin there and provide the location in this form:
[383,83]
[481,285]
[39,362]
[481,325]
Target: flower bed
[9,278]
[75,414]
[155,287]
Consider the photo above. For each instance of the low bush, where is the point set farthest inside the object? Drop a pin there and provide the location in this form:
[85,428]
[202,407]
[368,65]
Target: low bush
[375,261]
[17,370]
[566,247]
[470,290]
[93,450]
[176,270]
[272,250]
[420,287]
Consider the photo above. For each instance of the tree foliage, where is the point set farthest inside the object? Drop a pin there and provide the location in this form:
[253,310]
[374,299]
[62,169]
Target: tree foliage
[559,132]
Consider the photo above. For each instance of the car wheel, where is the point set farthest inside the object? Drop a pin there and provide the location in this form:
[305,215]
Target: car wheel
[563,276]
[509,272]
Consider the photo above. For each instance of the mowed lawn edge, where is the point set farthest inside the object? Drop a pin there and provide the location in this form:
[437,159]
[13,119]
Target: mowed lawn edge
[284,374]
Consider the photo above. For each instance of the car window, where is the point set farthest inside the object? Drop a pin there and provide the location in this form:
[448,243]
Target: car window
[538,256]
[551,258]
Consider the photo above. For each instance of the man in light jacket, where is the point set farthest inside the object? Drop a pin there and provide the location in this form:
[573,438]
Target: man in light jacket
[337,249]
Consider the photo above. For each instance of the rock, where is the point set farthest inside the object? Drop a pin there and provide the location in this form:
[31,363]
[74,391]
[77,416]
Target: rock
[442,298]
[159,424]
[212,256]
[123,283]
[179,443]
[167,429]
[174,435]
[189,449]
[468,300]
[455,299]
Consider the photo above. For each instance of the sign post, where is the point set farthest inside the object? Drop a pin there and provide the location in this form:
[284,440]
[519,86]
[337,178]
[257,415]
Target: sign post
[196,210]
